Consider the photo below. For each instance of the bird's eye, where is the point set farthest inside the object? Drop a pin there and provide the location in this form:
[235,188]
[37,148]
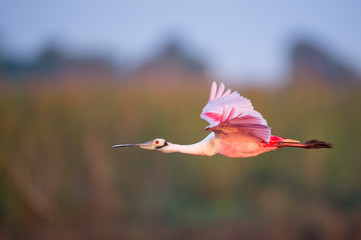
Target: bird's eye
[156,142]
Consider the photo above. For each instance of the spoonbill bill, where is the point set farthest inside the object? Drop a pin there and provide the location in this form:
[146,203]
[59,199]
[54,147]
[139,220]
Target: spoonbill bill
[237,130]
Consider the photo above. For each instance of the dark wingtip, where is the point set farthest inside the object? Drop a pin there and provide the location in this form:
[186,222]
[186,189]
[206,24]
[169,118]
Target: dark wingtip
[315,144]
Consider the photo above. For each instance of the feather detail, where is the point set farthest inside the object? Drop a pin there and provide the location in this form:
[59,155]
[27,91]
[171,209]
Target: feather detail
[213,91]
[235,110]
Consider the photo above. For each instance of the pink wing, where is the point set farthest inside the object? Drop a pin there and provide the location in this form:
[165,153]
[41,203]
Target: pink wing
[230,113]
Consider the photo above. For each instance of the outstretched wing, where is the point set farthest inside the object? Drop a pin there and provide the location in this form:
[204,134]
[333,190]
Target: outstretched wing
[228,113]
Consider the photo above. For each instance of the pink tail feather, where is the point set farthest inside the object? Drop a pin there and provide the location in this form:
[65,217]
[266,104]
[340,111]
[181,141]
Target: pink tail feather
[311,144]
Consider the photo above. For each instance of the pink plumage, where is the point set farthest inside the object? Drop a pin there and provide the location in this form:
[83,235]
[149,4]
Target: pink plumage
[225,111]
[237,130]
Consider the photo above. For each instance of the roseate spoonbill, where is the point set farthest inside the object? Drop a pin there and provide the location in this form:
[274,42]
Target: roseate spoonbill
[237,130]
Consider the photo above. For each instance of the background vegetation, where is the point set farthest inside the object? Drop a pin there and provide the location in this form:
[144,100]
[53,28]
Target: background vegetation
[60,179]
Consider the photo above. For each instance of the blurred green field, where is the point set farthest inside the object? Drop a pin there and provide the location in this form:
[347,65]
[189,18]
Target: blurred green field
[60,178]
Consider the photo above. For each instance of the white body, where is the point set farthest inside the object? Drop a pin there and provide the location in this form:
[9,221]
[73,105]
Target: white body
[211,145]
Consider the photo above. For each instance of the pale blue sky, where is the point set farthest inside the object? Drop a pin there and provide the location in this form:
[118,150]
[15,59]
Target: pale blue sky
[240,38]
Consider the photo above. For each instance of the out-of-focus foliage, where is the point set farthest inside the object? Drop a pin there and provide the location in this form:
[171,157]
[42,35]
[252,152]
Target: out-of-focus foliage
[60,178]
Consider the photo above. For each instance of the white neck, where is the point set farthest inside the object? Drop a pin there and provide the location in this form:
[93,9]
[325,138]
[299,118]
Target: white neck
[204,147]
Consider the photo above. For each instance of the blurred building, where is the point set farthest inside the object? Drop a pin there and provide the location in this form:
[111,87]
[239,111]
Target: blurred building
[311,63]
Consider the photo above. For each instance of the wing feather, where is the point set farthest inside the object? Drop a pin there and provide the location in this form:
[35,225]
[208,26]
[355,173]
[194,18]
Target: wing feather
[213,91]
[229,113]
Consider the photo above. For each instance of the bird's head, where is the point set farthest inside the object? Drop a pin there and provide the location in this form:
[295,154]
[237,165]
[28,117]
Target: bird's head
[156,144]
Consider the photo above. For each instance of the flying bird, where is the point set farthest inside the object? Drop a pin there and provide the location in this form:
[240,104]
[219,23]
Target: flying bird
[237,130]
